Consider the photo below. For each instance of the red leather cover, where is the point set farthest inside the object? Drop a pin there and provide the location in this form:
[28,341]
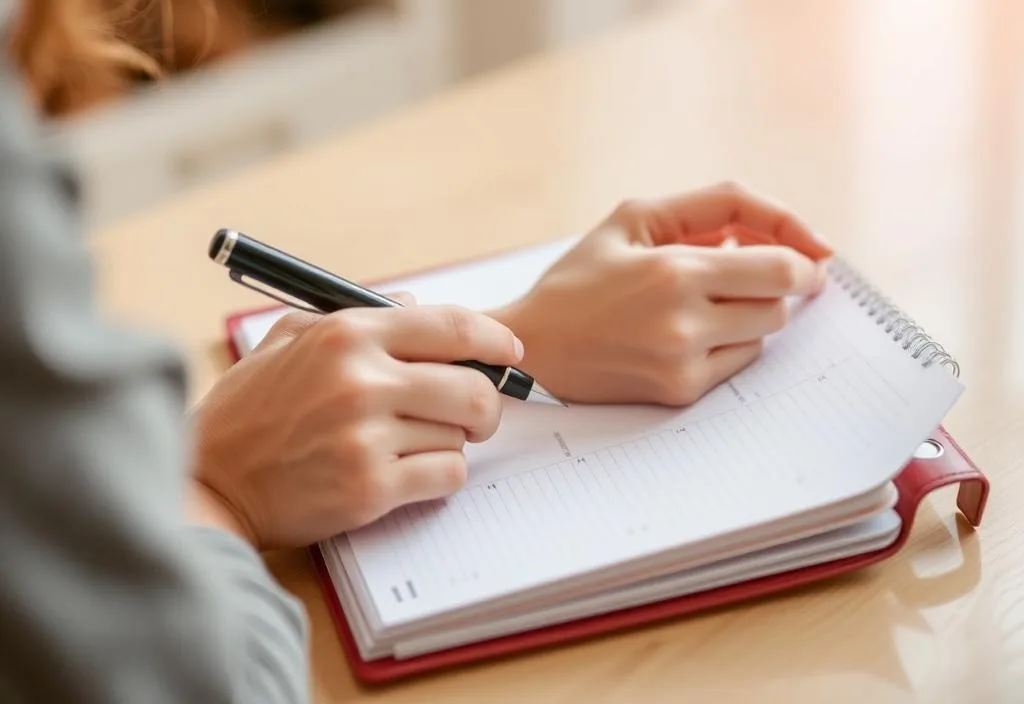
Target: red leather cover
[233,322]
[917,480]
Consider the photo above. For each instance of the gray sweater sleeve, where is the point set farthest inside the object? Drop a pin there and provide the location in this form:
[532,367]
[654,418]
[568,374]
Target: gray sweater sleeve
[106,594]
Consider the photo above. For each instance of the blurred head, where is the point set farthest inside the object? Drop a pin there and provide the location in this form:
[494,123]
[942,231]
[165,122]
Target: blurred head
[74,53]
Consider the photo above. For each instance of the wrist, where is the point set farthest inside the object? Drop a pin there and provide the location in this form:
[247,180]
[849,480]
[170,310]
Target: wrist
[205,507]
[516,318]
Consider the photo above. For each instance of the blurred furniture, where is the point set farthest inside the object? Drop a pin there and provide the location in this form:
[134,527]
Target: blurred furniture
[490,33]
[306,81]
[893,128]
[282,94]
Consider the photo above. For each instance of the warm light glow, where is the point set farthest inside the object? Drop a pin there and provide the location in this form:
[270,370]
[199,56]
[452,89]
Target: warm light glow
[917,107]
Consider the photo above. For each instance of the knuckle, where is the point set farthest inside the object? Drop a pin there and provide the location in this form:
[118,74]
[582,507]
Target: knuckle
[684,338]
[734,195]
[377,493]
[455,471]
[359,446]
[784,222]
[730,187]
[685,387]
[781,271]
[483,402]
[371,498]
[340,331]
[369,492]
[289,324]
[678,275]
[361,385]
[675,275]
[460,324]
[352,389]
[777,314]
[664,269]
[628,210]
[458,439]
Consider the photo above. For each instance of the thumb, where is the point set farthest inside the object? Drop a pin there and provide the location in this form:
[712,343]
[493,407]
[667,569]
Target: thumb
[293,324]
[402,297]
[287,328]
[804,242]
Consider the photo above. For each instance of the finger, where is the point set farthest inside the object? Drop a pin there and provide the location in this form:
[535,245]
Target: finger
[287,328]
[428,475]
[450,395]
[402,298]
[715,238]
[413,436]
[730,235]
[746,236]
[724,362]
[715,207]
[735,322]
[759,271]
[442,334]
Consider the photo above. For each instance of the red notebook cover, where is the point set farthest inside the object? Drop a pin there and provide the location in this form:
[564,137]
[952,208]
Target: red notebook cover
[917,479]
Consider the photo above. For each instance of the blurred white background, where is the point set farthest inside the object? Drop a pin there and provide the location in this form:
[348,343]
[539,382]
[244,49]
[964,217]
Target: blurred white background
[282,83]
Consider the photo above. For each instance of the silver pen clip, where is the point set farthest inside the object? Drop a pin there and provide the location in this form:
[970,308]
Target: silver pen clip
[239,278]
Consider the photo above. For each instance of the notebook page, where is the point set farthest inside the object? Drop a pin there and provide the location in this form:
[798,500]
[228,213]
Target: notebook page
[832,409]
[873,534]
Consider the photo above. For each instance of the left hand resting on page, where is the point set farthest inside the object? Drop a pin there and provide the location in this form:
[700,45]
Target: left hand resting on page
[650,308]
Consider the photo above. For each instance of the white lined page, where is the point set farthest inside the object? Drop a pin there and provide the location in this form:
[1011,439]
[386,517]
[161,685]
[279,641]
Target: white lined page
[832,409]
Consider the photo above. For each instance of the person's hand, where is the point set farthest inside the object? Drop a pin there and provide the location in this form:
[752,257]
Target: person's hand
[650,307]
[334,421]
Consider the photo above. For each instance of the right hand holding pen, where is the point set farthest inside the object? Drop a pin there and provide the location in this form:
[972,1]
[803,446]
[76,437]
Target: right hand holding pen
[333,421]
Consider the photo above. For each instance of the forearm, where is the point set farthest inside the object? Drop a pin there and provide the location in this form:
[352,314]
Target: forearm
[105,583]
[268,629]
[204,509]
[106,594]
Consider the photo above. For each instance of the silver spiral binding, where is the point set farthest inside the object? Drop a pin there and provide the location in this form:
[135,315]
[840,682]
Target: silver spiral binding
[894,322]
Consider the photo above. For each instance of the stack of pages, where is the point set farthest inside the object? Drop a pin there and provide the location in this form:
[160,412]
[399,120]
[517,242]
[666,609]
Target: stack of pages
[578,511]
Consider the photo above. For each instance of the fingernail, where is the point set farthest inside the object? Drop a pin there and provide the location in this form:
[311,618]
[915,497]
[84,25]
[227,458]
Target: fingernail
[822,278]
[519,347]
[825,246]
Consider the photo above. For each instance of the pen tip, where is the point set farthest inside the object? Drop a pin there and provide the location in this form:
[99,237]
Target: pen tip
[538,394]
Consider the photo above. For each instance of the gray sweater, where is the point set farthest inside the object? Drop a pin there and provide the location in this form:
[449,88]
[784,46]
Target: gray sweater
[106,594]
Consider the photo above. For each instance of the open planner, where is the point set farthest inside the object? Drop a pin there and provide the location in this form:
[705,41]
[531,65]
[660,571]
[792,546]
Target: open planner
[581,520]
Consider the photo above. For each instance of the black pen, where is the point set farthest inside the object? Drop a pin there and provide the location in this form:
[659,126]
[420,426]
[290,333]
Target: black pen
[324,292]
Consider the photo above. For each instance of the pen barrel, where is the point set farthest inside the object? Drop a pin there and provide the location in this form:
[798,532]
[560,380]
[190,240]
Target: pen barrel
[508,380]
[299,279]
[492,372]
[327,292]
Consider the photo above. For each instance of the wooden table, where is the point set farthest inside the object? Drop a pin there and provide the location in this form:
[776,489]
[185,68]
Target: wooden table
[895,128]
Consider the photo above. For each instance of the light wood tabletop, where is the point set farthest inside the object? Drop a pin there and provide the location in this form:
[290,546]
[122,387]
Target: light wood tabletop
[894,128]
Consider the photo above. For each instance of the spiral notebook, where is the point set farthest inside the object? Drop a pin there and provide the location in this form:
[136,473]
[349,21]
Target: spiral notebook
[580,520]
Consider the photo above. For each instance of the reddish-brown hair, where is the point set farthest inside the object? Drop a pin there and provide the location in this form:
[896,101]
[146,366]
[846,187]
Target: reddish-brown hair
[76,53]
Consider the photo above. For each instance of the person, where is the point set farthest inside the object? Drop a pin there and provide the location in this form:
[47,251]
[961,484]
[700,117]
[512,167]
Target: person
[132,527]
